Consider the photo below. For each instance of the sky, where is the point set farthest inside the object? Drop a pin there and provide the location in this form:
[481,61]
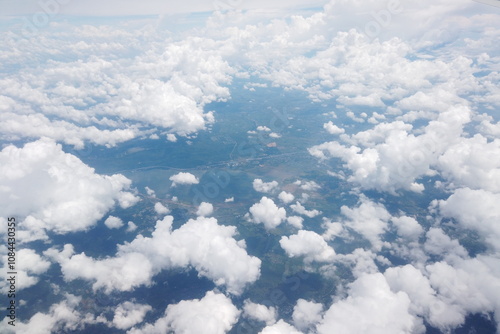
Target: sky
[415,87]
[149,7]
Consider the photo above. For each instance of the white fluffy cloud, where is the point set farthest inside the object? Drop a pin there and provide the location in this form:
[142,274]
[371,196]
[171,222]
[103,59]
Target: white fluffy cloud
[183,178]
[424,301]
[474,163]
[161,209]
[281,327]
[332,229]
[295,221]
[205,209]
[301,210]
[308,244]
[113,222]
[114,85]
[306,313]
[369,219]
[259,312]
[150,192]
[466,286]
[264,187]
[476,210]
[307,185]
[440,244]
[121,273]
[407,227]
[286,197]
[29,265]
[358,312]
[202,243]
[263,128]
[333,129]
[111,86]
[267,213]
[55,191]
[171,137]
[214,314]
[131,226]
[129,314]
[15,126]
[389,157]
[445,292]
[61,317]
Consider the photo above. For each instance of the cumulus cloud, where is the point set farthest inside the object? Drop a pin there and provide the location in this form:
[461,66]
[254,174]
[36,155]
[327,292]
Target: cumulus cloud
[183,178]
[150,192]
[466,286]
[407,227]
[263,128]
[308,244]
[113,222]
[202,243]
[29,265]
[281,327]
[389,157]
[214,313]
[61,317]
[369,219]
[110,97]
[129,314]
[286,197]
[107,90]
[171,137]
[440,244]
[259,312]
[306,314]
[361,261]
[55,191]
[424,300]
[307,185]
[333,129]
[121,273]
[473,163]
[264,187]
[477,210]
[205,209]
[301,210]
[342,71]
[161,209]
[332,229]
[267,213]
[131,227]
[295,221]
[357,314]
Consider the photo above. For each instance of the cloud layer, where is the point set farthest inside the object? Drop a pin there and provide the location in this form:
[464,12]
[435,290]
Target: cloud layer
[55,191]
[201,243]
